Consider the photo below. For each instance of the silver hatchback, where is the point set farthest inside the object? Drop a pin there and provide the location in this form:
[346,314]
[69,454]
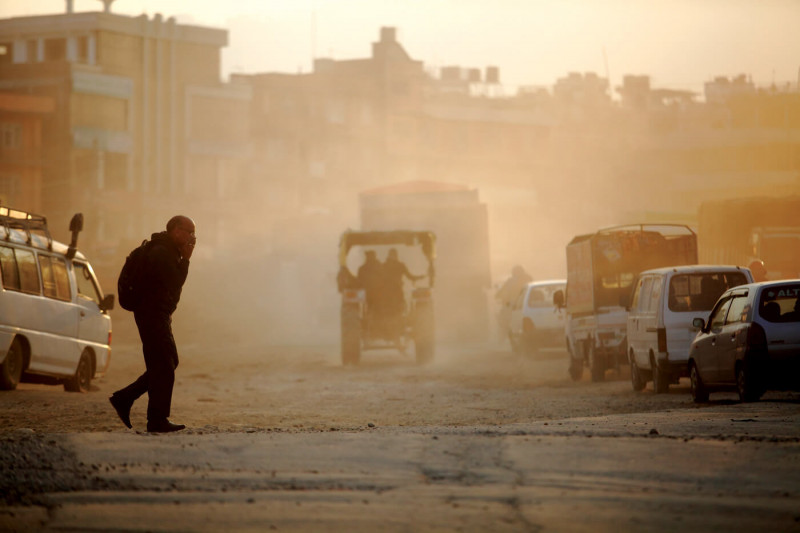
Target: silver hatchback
[750,343]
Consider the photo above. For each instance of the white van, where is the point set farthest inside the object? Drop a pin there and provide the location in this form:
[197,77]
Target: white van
[54,322]
[663,305]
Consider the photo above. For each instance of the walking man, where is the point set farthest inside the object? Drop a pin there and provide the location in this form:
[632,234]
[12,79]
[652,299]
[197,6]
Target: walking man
[164,272]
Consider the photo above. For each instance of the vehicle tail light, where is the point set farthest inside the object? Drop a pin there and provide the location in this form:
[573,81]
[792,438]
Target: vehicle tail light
[350,295]
[756,336]
[662,339]
[422,294]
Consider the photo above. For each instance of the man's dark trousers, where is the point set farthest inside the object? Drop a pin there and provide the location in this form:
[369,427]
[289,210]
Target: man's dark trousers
[160,359]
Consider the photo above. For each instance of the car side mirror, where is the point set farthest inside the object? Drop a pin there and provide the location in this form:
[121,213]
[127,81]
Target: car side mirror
[699,323]
[558,298]
[108,303]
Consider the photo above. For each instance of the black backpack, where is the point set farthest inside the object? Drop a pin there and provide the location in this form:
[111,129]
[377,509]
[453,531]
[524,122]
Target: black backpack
[129,291]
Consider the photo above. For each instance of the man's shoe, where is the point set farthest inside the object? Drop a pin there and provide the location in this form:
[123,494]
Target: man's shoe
[122,408]
[163,426]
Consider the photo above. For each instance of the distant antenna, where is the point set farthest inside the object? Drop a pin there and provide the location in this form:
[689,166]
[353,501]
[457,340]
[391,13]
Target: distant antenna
[608,75]
[313,34]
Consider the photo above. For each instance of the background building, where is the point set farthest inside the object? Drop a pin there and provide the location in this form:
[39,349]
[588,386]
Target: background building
[141,127]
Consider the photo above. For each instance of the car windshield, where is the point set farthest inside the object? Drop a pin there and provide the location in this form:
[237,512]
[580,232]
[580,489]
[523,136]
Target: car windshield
[780,303]
[700,291]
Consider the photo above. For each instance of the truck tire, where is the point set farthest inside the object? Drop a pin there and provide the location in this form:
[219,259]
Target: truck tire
[637,380]
[424,338]
[351,335]
[575,369]
[597,363]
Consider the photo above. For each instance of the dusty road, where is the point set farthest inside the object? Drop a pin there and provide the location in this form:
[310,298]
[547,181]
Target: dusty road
[285,438]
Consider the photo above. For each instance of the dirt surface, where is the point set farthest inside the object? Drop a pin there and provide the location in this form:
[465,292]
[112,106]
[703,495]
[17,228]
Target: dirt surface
[284,437]
[235,386]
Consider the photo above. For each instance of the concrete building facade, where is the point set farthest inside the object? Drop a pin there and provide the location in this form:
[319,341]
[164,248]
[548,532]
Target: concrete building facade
[142,125]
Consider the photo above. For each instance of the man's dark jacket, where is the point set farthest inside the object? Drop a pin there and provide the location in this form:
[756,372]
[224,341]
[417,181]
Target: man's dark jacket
[165,274]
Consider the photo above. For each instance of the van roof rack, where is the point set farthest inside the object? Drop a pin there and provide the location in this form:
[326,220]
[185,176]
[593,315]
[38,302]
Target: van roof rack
[27,222]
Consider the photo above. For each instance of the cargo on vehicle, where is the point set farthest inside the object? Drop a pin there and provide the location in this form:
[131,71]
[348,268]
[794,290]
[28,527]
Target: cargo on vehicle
[601,269]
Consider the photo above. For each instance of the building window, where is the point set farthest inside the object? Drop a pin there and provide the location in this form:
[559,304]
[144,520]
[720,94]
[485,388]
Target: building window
[55,49]
[10,136]
[33,51]
[6,55]
[83,49]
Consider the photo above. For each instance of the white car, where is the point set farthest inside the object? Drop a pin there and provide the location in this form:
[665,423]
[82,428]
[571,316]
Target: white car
[54,322]
[750,342]
[535,320]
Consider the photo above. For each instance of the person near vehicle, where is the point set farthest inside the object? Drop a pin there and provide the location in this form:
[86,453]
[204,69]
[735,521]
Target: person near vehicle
[507,294]
[393,272]
[369,279]
[758,270]
[165,269]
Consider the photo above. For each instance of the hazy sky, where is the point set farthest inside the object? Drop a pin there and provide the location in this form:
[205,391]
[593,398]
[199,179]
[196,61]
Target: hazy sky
[679,43]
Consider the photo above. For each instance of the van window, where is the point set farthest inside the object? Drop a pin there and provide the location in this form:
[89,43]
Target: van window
[699,292]
[55,280]
[644,297]
[28,272]
[87,288]
[636,293]
[655,294]
[8,267]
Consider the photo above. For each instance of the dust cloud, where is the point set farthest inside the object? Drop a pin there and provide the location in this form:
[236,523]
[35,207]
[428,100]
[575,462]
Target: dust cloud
[502,179]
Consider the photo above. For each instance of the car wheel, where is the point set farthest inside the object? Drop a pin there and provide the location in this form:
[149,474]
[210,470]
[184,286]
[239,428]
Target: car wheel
[637,381]
[82,380]
[596,363]
[746,384]
[660,378]
[11,367]
[696,386]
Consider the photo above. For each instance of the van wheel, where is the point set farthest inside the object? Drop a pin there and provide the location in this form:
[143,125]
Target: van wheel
[11,367]
[82,380]
[637,381]
[660,378]
[696,386]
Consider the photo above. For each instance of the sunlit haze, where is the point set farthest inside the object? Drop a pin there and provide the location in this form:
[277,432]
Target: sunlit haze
[680,44]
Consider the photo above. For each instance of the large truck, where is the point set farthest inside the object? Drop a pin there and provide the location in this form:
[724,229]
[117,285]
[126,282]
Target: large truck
[742,230]
[601,270]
